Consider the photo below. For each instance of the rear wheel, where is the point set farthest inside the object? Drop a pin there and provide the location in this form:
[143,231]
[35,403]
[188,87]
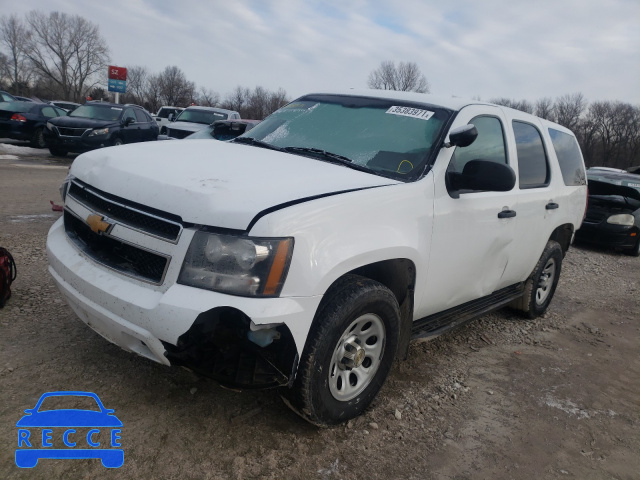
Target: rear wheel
[541,285]
[37,141]
[349,352]
[58,152]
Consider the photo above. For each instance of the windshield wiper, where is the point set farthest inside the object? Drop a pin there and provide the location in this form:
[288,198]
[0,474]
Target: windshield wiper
[318,152]
[256,143]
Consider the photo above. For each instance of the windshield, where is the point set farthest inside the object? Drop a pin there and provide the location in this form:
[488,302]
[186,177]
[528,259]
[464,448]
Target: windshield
[97,112]
[200,116]
[388,137]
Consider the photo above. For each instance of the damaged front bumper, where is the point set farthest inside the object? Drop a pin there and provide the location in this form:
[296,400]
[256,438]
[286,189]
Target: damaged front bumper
[241,342]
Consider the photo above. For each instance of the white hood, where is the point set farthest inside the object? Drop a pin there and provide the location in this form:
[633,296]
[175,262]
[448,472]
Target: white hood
[214,183]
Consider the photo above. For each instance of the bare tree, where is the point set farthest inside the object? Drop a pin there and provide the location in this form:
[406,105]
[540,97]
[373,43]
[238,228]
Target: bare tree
[208,97]
[522,105]
[14,35]
[68,50]
[405,77]
[237,100]
[175,89]
[544,108]
[568,109]
[5,71]
[137,78]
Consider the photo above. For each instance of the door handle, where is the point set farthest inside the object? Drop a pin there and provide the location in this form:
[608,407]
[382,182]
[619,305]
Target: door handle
[507,214]
[552,206]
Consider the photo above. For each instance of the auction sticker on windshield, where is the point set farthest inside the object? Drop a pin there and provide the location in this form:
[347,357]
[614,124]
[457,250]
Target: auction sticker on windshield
[411,112]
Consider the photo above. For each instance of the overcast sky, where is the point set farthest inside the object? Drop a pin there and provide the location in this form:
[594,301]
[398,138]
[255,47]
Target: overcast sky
[468,48]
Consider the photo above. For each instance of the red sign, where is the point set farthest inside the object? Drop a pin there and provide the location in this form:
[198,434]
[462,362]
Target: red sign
[117,73]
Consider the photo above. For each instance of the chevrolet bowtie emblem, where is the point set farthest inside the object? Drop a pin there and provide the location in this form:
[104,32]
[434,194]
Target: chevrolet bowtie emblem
[97,224]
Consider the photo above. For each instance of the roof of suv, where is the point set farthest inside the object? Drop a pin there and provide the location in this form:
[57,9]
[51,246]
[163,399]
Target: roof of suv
[210,109]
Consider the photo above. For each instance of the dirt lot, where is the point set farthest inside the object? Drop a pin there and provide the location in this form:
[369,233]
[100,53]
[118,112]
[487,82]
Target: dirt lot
[502,398]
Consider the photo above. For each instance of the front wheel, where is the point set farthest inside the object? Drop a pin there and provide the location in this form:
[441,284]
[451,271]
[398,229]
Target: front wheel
[58,152]
[37,141]
[117,142]
[349,352]
[634,251]
[541,285]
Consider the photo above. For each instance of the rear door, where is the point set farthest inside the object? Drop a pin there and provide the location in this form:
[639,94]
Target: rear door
[473,235]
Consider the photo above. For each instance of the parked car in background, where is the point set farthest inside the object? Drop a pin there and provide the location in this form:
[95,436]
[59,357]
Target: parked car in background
[613,213]
[27,121]
[165,115]
[193,119]
[224,129]
[99,124]
[6,97]
[24,99]
[68,106]
[605,169]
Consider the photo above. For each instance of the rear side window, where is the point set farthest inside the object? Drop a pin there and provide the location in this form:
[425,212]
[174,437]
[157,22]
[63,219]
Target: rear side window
[140,115]
[532,158]
[489,145]
[49,112]
[569,157]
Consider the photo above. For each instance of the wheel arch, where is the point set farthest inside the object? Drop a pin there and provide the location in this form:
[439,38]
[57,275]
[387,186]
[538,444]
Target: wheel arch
[563,235]
[399,276]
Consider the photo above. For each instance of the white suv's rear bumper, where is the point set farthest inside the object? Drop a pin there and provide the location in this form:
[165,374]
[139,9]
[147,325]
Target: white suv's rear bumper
[138,316]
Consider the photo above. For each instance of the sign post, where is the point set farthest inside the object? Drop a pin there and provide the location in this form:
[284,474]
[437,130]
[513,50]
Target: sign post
[117,80]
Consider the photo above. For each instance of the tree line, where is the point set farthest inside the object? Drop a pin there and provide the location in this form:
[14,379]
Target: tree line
[608,131]
[61,56]
[65,57]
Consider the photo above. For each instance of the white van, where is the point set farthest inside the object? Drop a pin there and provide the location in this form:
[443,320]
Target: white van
[306,253]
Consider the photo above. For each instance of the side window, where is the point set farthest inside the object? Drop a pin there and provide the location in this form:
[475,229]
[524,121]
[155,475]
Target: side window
[533,170]
[142,118]
[569,157]
[489,145]
[128,113]
[49,112]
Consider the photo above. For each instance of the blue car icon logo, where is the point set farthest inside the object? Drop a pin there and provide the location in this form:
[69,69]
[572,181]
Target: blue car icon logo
[69,433]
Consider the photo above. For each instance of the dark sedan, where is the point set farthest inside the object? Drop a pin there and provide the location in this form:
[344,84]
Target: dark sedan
[613,212]
[99,124]
[27,121]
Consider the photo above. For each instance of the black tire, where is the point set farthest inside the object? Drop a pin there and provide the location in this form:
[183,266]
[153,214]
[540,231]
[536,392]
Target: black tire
[634,251]
[37,141]
[117,142]
[58,152]
[541,285]
[373,312]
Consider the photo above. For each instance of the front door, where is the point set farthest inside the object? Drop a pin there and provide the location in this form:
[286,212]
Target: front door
[473,235]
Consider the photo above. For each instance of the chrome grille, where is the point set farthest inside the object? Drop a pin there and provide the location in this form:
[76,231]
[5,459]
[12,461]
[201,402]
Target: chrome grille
[117,255]
[71,132]
[158,224]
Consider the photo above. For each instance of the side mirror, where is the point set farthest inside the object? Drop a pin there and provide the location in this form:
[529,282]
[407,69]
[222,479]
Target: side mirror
[170,117]
[128,121]
[462,136]
[481,175]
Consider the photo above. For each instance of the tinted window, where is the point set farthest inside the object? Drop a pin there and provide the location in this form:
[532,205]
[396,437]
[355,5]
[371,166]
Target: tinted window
[488,146]
[569,157]
[532,159]
[141,116]
[128,113]
[49,112]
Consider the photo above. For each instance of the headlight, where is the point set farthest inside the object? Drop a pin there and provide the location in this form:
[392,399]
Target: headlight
[50,125]
[99,131]
[622,219]
[252,267]
[64,187]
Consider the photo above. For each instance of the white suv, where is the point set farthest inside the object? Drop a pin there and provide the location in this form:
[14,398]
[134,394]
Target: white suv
[309,251]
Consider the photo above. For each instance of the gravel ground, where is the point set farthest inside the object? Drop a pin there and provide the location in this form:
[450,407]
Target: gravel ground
[557,397]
